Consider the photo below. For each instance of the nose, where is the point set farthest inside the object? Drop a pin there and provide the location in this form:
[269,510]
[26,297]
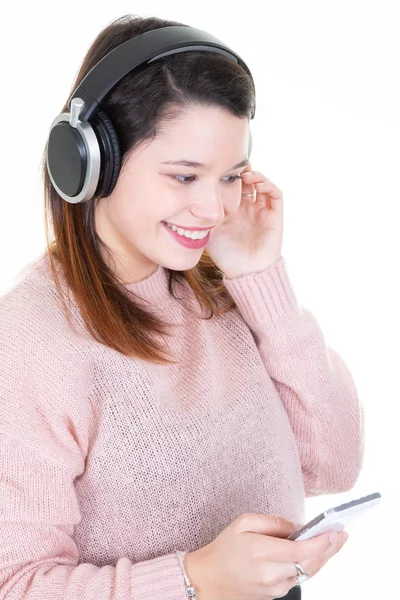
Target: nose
[210,209]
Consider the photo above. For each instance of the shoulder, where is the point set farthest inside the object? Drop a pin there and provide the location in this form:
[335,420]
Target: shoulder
[31,314]
[38,347]
[45,367]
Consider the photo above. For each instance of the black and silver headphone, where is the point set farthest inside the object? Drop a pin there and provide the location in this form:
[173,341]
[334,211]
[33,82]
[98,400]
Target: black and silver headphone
[83,156]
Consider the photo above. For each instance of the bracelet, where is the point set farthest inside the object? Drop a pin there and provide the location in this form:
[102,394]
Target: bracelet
[191,592]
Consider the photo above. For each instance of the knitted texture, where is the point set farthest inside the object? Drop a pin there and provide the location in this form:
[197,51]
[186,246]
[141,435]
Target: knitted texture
[109,464]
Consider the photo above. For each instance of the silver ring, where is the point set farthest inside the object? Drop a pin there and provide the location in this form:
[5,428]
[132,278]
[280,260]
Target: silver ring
[302,575]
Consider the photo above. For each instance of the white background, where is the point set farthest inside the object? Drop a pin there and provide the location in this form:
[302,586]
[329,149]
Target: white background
[327,132]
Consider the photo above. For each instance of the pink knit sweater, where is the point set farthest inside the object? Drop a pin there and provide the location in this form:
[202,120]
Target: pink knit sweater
[108,464]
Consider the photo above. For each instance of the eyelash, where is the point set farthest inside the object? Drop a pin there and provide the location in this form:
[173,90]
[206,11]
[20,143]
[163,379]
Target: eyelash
[233,178]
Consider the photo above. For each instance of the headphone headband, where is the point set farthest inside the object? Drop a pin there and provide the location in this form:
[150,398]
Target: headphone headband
[144,48]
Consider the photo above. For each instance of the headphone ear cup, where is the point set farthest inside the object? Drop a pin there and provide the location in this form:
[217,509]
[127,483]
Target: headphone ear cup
[110,153]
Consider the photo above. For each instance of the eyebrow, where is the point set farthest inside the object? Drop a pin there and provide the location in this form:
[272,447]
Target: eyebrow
[197,165]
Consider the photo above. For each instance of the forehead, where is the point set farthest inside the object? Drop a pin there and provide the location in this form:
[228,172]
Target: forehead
[198,137]
[205,126]
[203,121]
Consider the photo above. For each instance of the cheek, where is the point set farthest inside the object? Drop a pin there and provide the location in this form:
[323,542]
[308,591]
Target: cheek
[138,221]
[129,217]
[233,200]
[170,204]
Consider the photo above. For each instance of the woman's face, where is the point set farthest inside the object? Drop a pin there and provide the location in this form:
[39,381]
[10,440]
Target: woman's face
[150,192]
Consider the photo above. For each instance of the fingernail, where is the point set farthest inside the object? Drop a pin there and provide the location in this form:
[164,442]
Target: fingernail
[346,536]
[333,537]
[247,173]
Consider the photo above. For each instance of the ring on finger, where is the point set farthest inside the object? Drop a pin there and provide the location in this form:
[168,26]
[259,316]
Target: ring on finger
[302,576]
[250,196]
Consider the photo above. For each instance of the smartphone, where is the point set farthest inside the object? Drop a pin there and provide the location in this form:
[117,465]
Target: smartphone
[335,519]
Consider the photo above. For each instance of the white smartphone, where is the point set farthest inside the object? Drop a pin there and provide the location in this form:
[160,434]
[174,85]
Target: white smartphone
[335,519]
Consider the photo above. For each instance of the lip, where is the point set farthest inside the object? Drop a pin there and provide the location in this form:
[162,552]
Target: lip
[190,228]
[187,242]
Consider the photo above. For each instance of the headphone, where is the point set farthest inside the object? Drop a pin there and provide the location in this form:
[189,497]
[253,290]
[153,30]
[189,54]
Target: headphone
[83,155]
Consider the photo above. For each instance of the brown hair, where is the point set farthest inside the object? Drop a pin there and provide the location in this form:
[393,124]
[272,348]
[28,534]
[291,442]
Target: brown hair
[138,104]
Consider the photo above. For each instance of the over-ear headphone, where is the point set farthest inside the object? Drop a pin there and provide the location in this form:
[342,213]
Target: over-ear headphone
[83,156]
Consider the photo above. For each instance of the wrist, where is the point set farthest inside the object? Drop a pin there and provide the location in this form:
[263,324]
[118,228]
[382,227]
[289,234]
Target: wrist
[196,575]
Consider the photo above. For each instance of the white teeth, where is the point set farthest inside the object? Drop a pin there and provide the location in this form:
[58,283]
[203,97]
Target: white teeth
[194,235]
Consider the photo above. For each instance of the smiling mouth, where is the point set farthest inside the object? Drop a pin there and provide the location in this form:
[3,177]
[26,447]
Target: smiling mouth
[199,240]
[188,234]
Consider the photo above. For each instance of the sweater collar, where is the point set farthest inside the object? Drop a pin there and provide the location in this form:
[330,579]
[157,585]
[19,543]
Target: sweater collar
[154,287]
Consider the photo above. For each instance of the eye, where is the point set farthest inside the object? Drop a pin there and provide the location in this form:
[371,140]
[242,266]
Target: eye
[231,178]
[186,177]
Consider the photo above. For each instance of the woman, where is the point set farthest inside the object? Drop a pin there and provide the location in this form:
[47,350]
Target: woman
[150,448]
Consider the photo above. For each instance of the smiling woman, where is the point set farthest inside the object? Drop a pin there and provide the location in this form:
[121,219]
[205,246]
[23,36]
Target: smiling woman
[191,104]
[139,438]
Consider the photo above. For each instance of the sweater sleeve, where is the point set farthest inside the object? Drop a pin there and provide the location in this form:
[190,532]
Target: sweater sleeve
[313,381]
[45,432]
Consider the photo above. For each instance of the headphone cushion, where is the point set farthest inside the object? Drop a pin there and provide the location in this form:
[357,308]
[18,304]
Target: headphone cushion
[111,158]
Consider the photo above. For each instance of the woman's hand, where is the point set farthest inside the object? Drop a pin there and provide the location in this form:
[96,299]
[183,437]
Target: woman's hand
[250,240]
[251,559]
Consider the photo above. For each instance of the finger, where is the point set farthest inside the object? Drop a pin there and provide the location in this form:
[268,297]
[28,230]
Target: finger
[253,176]
[271,195]
[315,564]
[259,526]
[256,178]
[280,550]
[268,187]
[247,182]
[247,188]
[335,549]
[275,572]
[287,526]
[279,573]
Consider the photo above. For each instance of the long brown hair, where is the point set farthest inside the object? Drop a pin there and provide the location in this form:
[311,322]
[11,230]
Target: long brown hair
[136,106]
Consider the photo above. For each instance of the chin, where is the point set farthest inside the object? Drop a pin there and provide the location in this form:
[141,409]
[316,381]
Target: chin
[181,263]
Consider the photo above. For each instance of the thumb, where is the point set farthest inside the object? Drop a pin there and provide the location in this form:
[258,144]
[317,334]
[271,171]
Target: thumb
[273,525]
